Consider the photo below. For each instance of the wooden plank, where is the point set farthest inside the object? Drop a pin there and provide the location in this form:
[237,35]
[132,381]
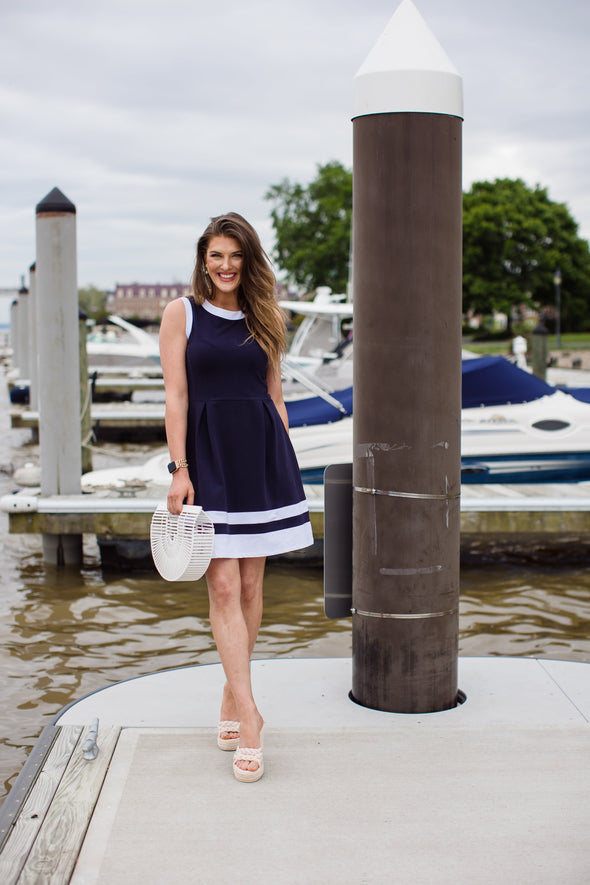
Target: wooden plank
[109,525]
[135,526]
[126,415]
[25,780]
[317,525]
[533,522]
[56,848]
[559,491]
[124,427]
[16,419]
[29,820]
[117,384]
[118,523]
[151,371]
[543,508]
[23,523]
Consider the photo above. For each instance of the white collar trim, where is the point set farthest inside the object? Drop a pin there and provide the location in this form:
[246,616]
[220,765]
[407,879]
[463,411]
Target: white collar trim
[221,312]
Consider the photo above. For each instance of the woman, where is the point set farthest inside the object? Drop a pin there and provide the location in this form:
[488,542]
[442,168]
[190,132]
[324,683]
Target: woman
[227,432]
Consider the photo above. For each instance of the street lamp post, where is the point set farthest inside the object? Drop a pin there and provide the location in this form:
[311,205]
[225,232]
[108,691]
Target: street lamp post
[557,284]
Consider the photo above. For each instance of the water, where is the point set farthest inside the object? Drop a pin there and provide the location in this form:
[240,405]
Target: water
[64,633]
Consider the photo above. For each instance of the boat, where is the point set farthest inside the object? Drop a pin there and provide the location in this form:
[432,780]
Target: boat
[117,346]
[515,428]
[322,345]
[128,785]
[325,329]
[121,344]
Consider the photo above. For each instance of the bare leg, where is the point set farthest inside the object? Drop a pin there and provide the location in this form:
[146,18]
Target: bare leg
[252,577]
[235,596]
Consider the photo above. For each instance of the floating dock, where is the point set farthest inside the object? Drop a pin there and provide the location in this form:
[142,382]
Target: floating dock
[109,421]
[116,387]
[497,509]
[495,790]
[552,515]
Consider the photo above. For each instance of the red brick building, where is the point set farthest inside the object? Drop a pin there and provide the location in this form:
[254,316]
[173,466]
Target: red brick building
[144,301]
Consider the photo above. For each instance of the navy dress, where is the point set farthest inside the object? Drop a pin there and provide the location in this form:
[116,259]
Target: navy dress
[241,461]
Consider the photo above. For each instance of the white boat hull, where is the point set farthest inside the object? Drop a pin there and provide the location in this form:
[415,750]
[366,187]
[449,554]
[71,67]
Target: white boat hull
[498,444]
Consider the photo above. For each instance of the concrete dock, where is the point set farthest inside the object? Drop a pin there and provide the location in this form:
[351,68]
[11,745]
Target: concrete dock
[495,790]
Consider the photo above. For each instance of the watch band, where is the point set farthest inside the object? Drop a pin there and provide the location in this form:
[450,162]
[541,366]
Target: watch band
[175,465]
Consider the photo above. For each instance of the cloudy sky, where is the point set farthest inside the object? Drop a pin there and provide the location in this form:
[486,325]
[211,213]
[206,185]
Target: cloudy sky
[152,117]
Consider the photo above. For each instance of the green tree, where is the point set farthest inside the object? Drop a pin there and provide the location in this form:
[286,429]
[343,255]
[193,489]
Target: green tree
[312,228]
[514,238]
[93,302]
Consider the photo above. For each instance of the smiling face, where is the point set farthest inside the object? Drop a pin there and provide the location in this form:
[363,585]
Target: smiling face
[224,259]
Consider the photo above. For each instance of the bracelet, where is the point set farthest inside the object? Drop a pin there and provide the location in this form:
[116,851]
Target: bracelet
[176,465]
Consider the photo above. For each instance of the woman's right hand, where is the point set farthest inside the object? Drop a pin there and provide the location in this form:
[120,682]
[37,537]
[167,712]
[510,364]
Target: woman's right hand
[181,491]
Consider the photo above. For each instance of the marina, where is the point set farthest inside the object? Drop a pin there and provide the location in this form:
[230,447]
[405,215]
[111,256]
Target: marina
[420,737]
[91,627]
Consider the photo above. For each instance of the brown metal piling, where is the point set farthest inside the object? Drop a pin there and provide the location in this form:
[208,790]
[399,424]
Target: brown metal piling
[407,400]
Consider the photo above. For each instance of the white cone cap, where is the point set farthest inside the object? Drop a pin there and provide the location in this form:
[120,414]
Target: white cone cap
[407,70]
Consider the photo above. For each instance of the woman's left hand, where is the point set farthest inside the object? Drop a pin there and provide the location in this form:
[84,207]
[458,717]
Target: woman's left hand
[181,491]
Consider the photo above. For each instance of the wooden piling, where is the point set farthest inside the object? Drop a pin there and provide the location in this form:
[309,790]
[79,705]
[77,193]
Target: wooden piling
[24,343]
[85,396]
[407,371]
[14,336]
[539,350]
[59,371]
[33,365]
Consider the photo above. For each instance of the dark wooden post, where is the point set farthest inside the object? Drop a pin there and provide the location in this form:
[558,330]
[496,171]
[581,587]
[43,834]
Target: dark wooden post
[539,350]
[34,364]
[85,395]
[407,220]
[24,345]
[14,337]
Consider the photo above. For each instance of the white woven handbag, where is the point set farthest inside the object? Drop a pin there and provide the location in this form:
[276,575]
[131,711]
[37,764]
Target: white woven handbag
[181,544]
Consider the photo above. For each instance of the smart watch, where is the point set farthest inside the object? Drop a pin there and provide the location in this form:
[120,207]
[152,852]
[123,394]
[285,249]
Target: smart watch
[174,465]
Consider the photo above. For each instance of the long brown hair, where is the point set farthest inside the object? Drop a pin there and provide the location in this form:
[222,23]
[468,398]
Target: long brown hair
[256,295]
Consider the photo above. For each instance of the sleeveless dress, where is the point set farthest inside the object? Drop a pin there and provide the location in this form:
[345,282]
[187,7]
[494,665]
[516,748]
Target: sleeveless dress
[241,460]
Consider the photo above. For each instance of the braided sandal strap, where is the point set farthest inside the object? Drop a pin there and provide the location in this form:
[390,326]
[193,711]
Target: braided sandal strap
[248,754]
[228,726]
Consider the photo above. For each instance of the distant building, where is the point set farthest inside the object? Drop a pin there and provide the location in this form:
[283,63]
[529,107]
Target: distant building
[145,301]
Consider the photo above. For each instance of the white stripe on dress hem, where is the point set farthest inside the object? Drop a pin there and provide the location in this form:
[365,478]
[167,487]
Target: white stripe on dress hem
[268,544]
[251,517]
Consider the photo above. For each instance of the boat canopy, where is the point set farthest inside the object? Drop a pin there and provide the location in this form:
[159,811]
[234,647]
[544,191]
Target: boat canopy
[580,393]
[494,381]
[315,409]
[487,381]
